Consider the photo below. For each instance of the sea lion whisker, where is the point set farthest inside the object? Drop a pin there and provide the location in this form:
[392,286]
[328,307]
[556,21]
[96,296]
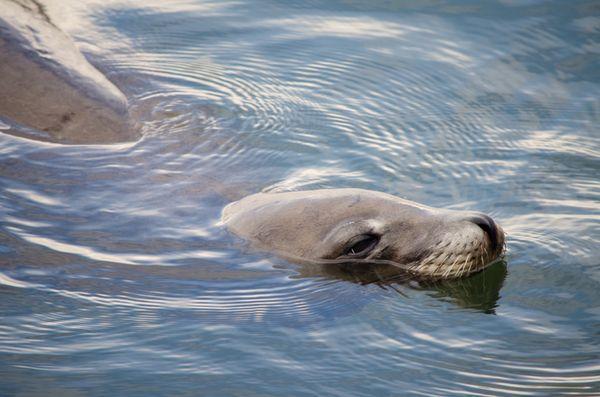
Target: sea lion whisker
[448,270]
[471,267]
[460,271]
[398,291]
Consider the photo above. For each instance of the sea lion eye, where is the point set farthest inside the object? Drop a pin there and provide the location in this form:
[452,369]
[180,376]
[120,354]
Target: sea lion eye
[361,245]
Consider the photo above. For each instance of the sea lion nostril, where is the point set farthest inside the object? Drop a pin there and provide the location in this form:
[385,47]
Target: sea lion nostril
[489,227]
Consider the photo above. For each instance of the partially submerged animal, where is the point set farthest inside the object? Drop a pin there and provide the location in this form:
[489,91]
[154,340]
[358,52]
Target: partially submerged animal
[360,227]
[46,84]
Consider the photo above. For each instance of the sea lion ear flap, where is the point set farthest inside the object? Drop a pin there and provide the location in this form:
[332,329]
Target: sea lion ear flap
[335,242]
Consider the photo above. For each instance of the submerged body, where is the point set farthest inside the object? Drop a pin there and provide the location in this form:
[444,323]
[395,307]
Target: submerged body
[361,226]
[48,85]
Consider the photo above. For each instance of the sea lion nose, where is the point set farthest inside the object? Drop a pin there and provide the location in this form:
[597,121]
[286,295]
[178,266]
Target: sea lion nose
[488,225]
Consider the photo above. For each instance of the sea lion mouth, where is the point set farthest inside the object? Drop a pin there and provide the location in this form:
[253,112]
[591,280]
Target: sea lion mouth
[459,268]
[469,259]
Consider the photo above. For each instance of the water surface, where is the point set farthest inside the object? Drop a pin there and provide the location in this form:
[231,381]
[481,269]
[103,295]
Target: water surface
[116,278]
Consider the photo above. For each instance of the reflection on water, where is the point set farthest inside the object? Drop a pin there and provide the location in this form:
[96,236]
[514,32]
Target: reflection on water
[117,278]
[480,292]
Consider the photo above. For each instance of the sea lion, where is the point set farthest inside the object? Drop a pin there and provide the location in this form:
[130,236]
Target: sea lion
[48,85]
[358,227]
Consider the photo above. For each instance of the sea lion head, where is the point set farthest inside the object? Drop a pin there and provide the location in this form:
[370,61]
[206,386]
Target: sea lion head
[355,226]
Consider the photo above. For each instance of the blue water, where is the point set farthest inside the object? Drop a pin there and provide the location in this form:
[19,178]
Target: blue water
[117,279]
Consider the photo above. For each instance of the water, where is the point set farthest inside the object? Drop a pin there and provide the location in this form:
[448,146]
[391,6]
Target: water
[116,278]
